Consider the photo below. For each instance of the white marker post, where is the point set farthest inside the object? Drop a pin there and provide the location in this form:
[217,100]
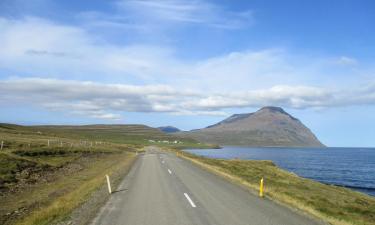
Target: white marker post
[109,185]
[48,142]
[2,145]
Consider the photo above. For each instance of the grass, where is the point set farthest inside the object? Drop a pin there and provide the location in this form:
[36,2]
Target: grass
[65,188]
[76,190]
[336,205]
[59,177]
[63,174]
[122,134]
[9,166]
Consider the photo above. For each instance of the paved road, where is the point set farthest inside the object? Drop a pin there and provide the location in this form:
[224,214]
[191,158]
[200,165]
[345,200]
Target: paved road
[162,189]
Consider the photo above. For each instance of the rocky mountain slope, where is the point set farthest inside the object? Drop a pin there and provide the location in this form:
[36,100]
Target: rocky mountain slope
[269,126]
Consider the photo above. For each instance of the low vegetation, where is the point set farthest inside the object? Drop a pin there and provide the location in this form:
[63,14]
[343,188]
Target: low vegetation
[59,171]
[137,135]
[62,166]
[77,189]
[336,205]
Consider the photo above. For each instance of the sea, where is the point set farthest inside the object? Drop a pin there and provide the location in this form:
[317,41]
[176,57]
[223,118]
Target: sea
[347,167]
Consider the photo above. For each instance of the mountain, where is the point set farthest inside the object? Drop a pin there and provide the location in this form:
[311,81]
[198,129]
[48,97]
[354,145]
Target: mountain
[269,126]
[169,129]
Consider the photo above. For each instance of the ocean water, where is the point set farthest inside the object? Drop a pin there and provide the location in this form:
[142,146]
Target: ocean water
[349,167]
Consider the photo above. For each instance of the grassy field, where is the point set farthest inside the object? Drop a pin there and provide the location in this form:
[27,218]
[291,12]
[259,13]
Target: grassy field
[122,134]
[61,166]
[336,205]
[59,176]
[53,200]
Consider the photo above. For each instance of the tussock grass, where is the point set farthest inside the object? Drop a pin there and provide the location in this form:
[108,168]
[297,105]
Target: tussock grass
[335,205]
[58,177]
[80,189]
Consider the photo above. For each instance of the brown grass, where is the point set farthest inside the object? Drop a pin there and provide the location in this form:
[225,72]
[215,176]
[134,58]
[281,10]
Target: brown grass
[74,190]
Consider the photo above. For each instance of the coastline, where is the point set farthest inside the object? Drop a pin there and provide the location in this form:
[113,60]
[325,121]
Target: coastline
[332,204]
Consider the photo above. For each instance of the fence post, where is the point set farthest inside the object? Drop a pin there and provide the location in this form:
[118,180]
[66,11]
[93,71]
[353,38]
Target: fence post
[109,185]
[2,145]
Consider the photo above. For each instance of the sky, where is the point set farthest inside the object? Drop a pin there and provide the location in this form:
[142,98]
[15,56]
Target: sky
[190,63]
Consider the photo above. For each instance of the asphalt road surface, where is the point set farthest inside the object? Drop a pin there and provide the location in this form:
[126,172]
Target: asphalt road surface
[162,189]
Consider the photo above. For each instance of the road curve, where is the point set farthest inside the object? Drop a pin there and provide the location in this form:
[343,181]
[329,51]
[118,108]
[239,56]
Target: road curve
[162,189]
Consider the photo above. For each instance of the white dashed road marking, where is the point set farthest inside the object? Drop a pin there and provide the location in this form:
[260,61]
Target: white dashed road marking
[190,201]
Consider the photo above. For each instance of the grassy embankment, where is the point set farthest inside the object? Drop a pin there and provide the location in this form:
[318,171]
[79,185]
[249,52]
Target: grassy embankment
[335,205]
[41,184]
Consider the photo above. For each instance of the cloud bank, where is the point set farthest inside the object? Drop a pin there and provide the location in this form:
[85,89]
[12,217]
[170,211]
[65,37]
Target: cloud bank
[109,101]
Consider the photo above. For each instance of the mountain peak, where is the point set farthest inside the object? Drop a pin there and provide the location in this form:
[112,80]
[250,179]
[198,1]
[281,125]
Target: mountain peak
[269,126]
[272,109]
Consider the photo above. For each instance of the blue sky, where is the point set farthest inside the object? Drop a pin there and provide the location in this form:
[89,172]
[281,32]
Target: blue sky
[190,63]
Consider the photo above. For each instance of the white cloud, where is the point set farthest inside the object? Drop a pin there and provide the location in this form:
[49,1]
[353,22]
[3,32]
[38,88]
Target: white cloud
[94,99]
[109,101]
[157,14]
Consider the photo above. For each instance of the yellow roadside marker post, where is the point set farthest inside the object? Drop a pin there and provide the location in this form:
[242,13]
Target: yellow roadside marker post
[261,188]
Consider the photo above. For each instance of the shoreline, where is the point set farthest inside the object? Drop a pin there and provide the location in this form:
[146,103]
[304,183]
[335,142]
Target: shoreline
[330,174]
[332,204]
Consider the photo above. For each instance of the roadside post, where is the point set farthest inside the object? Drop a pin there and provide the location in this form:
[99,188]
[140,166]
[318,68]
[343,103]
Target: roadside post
[261,188]
[109,184]
[2,145]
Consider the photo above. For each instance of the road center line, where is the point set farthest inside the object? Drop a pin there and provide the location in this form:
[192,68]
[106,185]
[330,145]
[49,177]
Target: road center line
[169,171]
[190,201]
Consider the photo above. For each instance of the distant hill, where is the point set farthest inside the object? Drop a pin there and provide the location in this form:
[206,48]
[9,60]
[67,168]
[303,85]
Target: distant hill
[169,129]
[269,126]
